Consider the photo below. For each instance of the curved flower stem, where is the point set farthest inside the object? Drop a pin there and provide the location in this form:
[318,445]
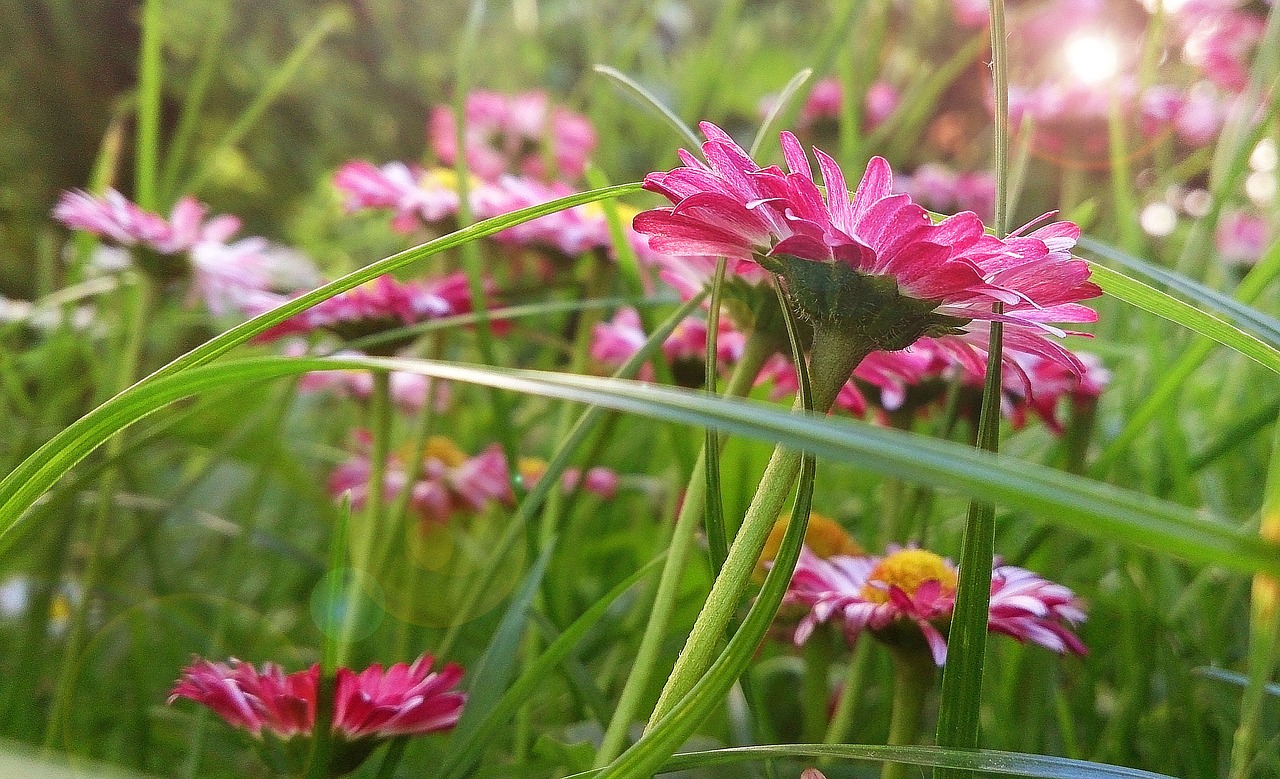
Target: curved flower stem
[759,347]
[913,672]
[835,354]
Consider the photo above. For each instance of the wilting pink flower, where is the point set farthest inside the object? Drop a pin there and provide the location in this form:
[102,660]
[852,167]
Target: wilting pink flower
[403,700]
[449,481]
[913,585]
[1242,237]
[415,195]
[730,206]
[508,134]
[383,303]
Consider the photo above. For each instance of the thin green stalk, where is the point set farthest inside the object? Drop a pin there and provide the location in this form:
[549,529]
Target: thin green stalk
[913,672]
[850,695]
[139,298]
[193,100]
[958,717]
[472,262]
[835,355]
[1264,631]
[366,552]
[717,535]
[756,351]
[815,686]
[276,84]
[147,154]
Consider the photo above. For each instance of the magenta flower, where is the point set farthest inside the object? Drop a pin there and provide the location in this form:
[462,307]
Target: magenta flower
[1221,41]
[117,220]
[507,134]
[616,341]
[906,276]
[381,304]
[914,586]
[368,708]
[889,373]
[1242,237]
[826,99]
[416,196]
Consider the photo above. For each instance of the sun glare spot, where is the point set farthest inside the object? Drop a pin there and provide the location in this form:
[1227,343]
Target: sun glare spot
[1092,58]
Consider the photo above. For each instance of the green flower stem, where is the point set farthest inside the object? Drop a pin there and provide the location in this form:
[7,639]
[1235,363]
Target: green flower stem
[759,347]
[816,689]
[854,677]
[367,550]
[913,672]
[835,354]
[958,714]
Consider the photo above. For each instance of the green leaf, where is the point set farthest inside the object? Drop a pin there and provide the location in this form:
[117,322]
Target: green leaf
[644,97]
[1248,319]
[989,761]
[1078,504]
[466,748]
[489,677]
[1166,306]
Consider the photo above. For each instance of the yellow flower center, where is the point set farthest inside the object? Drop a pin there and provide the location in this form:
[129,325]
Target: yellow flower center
[907,570]
[445,450]
[446,178]
[531,469]
[824,537]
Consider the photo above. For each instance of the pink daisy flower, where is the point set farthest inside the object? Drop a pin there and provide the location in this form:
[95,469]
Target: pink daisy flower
[383,303]
[368,707]
[507,134]
[617,340]
[919,587]
[415,195]
[945,276]
[1242,237]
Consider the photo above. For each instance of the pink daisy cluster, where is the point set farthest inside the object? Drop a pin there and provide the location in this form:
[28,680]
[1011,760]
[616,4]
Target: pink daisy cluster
[944,277]
[228,275]
[940,189]
[616,341]
[1220,39]
[1242,237]
[450,482]
[826,100]
[383,303]
[917,587]
[515,134]
[373,705]
[414,195]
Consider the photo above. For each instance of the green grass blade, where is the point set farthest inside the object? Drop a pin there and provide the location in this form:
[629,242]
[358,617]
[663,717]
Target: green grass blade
[1247,318]
[150,78]
[986,760]
[629,87]
[1079,504]
[465,749]
[193,101]
[783,102]
[1166,306]
[276,84]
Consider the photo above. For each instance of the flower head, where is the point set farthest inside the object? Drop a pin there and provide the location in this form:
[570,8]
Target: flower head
[508,134]
[917,587]
[873,262]
[368,707]
[415,195]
